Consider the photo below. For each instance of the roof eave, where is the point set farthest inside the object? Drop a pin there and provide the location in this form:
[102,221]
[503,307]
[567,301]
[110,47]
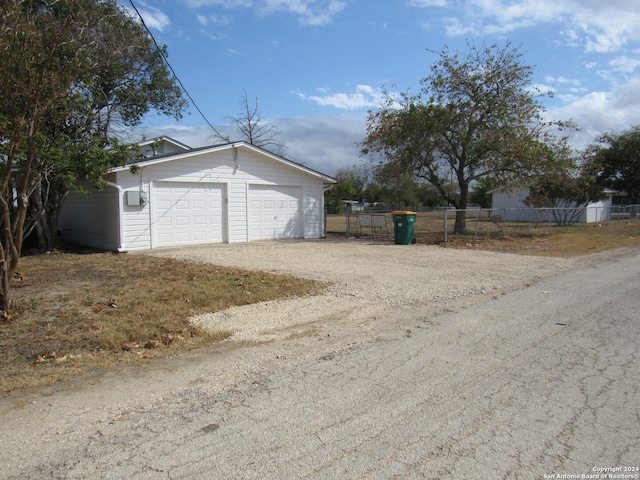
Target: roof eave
[216,148]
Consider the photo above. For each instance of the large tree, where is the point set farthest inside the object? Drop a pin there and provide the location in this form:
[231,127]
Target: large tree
[616,157]
[82,135]
[63,63]
[475,116]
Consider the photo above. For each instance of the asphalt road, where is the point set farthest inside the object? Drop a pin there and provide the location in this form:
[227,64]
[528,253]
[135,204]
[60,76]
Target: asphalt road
[543,382]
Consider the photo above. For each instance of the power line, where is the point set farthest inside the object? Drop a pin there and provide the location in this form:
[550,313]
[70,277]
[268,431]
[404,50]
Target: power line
[173,72]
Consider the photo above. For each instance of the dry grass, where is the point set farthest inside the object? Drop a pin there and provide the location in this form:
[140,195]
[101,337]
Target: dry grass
[559,242]
[77,313]
[544,240]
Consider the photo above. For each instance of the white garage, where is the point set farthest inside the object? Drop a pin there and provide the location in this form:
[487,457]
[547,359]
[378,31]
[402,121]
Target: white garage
[188,213]
[274,212]
[225,193]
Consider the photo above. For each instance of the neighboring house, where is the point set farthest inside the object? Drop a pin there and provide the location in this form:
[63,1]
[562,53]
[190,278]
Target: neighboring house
[219,194]
[162,146]
[508,203]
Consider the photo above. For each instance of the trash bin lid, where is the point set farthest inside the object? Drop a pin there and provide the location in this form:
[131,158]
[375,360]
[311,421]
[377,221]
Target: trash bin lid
[403,212]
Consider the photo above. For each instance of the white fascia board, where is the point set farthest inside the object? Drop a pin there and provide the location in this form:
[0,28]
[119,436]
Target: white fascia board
[217,148]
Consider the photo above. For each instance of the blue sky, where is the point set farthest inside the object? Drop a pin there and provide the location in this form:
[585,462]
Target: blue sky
[317,66]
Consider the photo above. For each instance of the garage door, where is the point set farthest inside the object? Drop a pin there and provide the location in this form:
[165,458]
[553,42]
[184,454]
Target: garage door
[274,212]
[188,213]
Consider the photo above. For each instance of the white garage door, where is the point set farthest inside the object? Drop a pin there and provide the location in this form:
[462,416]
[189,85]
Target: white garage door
[274,212]
[188,213]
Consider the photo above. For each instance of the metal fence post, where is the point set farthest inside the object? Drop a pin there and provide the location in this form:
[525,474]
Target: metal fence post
[476,234]
[446,230]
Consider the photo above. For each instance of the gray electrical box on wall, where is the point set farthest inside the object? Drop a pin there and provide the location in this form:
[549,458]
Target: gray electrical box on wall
[135,198]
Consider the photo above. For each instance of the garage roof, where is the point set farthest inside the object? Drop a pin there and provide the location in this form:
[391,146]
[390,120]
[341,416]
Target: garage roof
[227,146]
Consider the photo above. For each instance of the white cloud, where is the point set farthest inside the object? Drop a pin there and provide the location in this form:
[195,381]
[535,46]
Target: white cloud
[599,112]
[565,89]
[627,97]
[541,88]
[427,3]
[625,64]
[456,28]
[309,12]
[153,17]
[365,96]
[599,26]
[562,80]
[220,3]
[324,143]
[213,19]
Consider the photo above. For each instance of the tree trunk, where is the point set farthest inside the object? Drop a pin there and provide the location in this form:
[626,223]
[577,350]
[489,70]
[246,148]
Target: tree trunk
[461,222]
[461,209]
[7,251]
[12,236]
[39,217]
[45,206]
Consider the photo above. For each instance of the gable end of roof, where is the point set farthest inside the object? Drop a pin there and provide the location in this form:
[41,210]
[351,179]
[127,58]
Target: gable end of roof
[216,148]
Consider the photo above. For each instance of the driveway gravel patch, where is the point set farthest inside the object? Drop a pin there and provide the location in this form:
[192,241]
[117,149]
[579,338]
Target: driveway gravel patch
[368,281]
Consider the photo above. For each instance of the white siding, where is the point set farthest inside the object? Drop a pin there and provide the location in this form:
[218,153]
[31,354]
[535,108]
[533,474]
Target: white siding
[237,175]
[599,211]
[237,211]
[314,210]
[509,204]
[136,219]
[234,170]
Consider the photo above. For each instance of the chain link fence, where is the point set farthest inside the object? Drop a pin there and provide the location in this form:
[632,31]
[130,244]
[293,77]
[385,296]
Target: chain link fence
[435,225]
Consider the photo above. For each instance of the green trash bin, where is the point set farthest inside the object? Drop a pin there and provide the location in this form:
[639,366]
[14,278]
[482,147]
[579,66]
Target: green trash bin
[403,227]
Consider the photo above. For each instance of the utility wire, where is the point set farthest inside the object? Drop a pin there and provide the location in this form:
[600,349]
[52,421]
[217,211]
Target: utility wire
[166,60]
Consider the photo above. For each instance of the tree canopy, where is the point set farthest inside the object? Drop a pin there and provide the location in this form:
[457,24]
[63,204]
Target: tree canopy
[350,186]
[72,71]
[616,158]
[476,116]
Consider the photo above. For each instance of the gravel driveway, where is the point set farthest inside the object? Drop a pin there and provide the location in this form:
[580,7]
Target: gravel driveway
[335,385]
[369,282]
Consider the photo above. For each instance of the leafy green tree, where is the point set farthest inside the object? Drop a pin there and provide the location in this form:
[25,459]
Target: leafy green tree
[65,156]
[616,157]
[475,116]
[81,135]
[375,193]
[65,79]
[480,191]
[430,197]
[351,186]
[400,189]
